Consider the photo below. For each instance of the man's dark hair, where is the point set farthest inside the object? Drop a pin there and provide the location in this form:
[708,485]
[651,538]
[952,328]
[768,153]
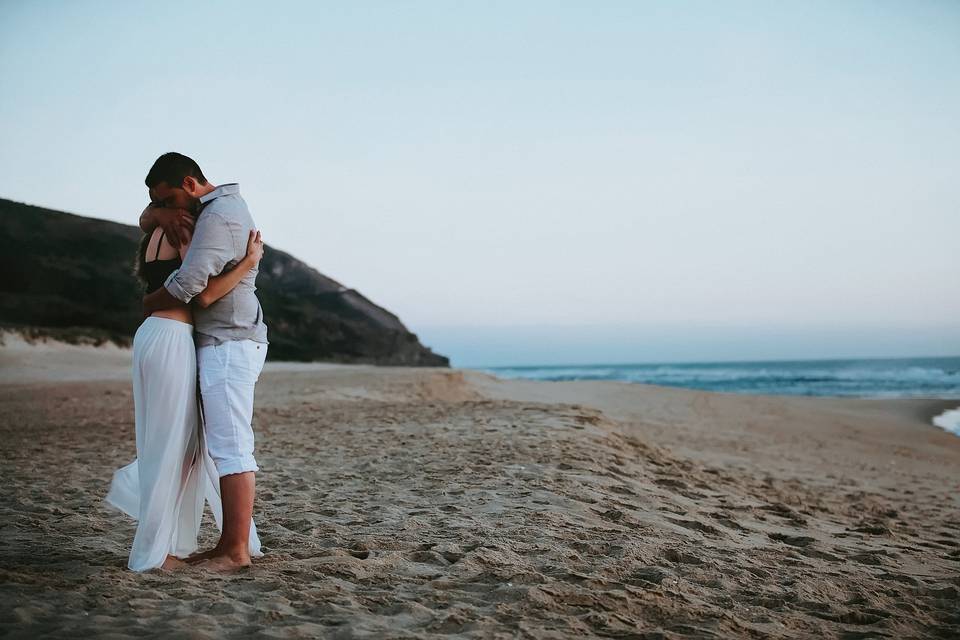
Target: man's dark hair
[172,168]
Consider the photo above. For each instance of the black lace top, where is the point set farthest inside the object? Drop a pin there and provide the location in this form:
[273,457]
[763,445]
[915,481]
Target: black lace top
[156,271]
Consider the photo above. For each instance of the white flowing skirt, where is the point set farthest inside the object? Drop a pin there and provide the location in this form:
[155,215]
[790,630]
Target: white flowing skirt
[165,487]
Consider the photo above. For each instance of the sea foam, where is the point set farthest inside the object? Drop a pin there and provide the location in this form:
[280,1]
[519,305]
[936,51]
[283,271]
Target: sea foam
[949,421]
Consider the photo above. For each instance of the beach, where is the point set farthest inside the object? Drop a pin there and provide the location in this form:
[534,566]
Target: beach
[399,502]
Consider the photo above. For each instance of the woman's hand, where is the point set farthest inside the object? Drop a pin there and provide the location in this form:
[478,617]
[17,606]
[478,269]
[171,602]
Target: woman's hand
[177,224]
[254,248]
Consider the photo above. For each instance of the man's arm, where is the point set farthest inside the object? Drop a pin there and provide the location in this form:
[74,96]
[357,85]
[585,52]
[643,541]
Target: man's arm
[211,249]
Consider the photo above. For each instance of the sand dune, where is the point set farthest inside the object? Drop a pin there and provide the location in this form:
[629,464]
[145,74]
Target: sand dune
[400,502]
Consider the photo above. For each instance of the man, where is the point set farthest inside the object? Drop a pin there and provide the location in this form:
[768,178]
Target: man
[230,334]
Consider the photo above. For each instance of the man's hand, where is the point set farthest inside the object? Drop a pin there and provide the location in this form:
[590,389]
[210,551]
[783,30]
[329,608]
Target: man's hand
[177,224]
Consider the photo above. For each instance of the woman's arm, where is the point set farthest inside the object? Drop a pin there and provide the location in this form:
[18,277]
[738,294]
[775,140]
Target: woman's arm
[177,223]
[221,285]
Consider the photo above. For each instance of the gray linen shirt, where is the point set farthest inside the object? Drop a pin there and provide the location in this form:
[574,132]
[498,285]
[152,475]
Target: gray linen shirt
[219,242]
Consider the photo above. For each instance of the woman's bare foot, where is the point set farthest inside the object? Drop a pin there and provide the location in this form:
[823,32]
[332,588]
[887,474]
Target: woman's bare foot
[172,563]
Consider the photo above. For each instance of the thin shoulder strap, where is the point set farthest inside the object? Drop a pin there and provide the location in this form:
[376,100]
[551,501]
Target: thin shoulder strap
[159,242]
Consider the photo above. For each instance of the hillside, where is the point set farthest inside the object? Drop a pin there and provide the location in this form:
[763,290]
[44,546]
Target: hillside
[70,275]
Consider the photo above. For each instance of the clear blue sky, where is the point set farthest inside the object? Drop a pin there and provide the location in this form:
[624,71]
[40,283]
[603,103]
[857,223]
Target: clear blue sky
[537,182]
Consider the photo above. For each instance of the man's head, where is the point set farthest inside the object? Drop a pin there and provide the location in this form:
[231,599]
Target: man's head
[176,181]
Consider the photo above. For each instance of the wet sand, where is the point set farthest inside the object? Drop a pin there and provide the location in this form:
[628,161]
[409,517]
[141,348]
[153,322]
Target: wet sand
[424,503]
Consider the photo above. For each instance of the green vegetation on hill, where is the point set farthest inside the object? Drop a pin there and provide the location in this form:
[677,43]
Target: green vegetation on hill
[72,275]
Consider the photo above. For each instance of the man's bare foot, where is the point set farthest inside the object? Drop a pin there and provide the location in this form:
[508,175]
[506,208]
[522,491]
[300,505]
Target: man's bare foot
[172,563]
[225,563]
[203,555]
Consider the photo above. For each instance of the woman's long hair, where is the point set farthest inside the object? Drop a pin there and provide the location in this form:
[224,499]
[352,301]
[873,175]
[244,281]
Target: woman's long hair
[139,269]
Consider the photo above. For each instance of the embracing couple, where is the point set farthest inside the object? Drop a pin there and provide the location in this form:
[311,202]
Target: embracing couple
[198,262]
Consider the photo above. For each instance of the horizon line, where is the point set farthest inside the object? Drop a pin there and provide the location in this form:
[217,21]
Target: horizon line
[676,362]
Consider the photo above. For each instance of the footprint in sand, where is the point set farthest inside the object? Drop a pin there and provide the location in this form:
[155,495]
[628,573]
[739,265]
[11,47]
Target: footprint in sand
[796,541]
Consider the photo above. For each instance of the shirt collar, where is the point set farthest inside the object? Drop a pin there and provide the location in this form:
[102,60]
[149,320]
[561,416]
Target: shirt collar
[222,190]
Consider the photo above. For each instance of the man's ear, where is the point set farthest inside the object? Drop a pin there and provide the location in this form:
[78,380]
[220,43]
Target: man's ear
[190,185]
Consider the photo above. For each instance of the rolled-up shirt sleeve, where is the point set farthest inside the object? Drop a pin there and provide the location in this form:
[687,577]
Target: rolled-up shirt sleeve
[211,249]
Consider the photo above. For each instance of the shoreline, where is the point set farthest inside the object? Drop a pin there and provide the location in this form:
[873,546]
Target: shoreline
[44,360]
[47,359]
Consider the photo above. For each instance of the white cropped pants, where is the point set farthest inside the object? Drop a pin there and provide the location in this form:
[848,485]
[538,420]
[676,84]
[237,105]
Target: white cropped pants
[228,376]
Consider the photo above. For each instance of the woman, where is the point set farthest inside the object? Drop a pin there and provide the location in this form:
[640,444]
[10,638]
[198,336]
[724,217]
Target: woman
[165,487]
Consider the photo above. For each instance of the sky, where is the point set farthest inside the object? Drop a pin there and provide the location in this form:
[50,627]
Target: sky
[537,182]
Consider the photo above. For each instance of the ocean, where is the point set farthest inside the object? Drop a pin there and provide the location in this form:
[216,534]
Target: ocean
[867,378]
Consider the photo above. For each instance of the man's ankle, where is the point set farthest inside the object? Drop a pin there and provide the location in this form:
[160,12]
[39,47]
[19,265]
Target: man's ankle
[237,553]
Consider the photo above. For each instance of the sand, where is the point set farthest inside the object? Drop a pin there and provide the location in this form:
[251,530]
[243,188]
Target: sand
[425,503]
